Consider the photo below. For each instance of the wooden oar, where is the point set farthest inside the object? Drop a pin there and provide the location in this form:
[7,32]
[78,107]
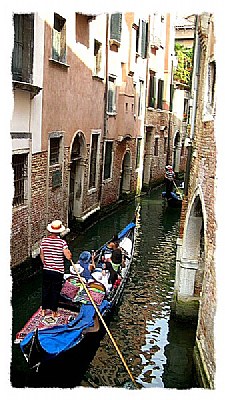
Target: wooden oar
[106,327]
[180,193]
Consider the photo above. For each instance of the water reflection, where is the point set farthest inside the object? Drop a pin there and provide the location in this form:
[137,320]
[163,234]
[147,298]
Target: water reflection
[142,323]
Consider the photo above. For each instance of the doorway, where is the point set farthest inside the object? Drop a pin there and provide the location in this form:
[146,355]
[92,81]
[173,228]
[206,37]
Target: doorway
[77,165]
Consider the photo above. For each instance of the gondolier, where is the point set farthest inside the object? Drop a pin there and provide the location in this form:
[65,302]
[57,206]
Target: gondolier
[52,251]
[169,178]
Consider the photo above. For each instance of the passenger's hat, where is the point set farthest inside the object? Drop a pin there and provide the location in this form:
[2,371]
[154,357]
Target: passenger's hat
[56,226]
[84,258]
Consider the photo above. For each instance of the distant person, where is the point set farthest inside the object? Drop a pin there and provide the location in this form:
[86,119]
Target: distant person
[53,249]
[169,178]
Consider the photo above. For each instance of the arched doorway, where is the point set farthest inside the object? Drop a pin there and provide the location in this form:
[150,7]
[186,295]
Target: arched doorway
[176,152]
[189,277]
[125,174]
[77,165]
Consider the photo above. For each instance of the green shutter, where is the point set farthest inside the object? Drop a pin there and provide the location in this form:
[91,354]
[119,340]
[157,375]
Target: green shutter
[116,26]
[144,39]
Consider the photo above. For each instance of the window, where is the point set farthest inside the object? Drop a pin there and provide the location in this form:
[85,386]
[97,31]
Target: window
[211,82]
[165,145]
[116,27]
[171,96]
[22,58]
[111,95]
[160,94]
[141,38]
[93,161]
[137,36]
[156,147]
[138,153]
[97,57]
[141,97]
[55,143]
[59,39]
[152,90]
[20,168]
[108,160]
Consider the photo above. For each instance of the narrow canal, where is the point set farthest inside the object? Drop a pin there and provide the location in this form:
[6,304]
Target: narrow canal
[157,349]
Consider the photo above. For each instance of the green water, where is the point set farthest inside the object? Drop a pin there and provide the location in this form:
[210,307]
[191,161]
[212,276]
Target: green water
[157,350]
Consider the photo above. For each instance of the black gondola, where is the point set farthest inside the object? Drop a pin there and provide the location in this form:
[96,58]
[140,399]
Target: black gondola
[40,343]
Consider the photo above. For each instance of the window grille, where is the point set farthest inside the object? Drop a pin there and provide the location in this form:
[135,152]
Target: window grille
[108,159]
[20,168]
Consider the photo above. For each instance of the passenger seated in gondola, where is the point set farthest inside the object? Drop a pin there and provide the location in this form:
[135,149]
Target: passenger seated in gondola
[86,261]
[112,274]
[117,258]
[110,247]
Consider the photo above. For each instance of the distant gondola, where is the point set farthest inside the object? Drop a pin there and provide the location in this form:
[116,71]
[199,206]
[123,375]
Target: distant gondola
[41,342]
[174,200]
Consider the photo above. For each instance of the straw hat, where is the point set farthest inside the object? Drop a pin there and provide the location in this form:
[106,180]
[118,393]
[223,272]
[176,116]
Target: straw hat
[56,226]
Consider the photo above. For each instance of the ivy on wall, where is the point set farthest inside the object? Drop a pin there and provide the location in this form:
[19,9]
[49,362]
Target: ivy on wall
[182,73]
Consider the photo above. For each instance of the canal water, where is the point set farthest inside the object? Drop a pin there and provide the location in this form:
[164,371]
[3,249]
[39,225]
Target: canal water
[157,349]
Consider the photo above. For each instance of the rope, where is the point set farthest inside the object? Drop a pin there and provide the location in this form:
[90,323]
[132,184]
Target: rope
[106,327]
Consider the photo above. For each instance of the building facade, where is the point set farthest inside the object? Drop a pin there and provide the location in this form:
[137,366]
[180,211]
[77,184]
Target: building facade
[93,120]
[195,286]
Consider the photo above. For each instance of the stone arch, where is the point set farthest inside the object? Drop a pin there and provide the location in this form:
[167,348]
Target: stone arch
[125,174]
[192,261]
[177,145]
[78,151]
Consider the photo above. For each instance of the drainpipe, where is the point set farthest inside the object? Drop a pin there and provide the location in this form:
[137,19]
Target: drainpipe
[168,154]
[194,84]
[105,102]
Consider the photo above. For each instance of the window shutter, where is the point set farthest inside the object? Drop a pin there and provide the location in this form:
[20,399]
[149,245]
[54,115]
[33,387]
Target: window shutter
[144,39]
[116,27]
[55,45]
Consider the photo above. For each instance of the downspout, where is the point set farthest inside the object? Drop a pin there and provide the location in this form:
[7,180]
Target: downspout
[105,102]
[194,84]
[168,154]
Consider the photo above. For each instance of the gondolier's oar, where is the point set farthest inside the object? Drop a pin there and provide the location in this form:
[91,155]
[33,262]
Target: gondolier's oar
[106,327]
[180,193]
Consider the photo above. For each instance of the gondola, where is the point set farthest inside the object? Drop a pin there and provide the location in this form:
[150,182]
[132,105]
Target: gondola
[41,342]
[175,200]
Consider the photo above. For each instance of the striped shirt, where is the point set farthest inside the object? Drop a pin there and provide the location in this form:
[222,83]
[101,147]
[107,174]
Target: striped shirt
[170,175]
[53,253]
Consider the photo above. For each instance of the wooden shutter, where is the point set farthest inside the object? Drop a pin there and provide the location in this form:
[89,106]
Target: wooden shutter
[144,35]
[116,27]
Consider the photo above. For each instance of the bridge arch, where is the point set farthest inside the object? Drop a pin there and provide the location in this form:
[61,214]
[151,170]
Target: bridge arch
[190,267]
